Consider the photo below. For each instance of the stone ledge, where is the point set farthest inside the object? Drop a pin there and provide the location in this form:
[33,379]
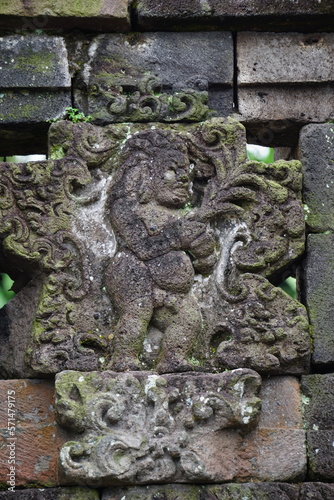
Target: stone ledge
[308,15]
[251,491]
[40,14]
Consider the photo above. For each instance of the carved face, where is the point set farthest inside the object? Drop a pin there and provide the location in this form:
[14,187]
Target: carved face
[172,180]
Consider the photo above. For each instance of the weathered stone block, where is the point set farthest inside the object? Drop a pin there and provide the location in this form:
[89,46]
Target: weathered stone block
[251,491]
[29,436]
[31,107]
[319,401]
[33,62]
[41,14]
[157,77]
[318,392]
[35,84]
[142,428]
[316,491]
[278,58]
[164,265]
[75,493]
[320,451]
[262,107]
[231,14]
[317,156]
[318,279]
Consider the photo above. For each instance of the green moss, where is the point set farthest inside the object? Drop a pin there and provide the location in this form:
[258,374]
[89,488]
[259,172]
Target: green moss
[57,152]
[35,61]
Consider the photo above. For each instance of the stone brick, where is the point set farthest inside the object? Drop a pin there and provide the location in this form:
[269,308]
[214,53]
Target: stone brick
[141,67]
[33,62]
[318,279]
[318,391]
[262,108]
[29,427]
[111,15]
[32,107]
[317,156]
[316,491]
[251,491]
[79,493]
[278,58]
[231,14]
[35,84]
[320,449]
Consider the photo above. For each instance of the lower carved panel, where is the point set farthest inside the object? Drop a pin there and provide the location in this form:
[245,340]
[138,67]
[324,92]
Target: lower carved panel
[137,428]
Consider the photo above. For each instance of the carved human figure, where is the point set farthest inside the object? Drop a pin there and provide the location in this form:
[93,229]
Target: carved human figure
[151,276]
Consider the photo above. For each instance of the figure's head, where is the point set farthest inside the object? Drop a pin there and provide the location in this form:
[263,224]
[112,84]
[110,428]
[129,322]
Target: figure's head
[157,167]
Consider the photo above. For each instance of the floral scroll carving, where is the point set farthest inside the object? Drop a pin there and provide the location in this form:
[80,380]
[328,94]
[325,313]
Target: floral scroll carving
[157,247]
[145,428]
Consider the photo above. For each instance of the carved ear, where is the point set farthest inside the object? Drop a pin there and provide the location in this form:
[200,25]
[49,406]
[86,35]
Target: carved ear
[137,182]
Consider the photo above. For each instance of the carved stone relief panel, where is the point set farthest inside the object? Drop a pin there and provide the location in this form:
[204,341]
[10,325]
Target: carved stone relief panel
[141,427]
[160,77]
[155,247]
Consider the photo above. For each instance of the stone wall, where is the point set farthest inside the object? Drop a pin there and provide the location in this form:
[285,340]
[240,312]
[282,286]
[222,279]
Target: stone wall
[148,352]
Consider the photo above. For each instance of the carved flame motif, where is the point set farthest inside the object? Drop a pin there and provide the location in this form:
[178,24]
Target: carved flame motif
[155,247]
[145,428]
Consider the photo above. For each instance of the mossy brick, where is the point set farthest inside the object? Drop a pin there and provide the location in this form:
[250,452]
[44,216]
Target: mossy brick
[67,493]
[214,14]
[320,451]
[111,15]
[249,491]
[318,392]
[317,157]
[278,58]
[24,106]
[318,279]
[33,62]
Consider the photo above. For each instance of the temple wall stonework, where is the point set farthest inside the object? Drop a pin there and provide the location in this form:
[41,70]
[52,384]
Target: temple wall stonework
[149,352]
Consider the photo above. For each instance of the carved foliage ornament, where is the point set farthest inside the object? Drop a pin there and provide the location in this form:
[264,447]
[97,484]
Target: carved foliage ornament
[154,248]
[141,428]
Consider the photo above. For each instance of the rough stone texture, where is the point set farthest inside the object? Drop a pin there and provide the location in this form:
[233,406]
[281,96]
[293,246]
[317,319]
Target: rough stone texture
[33,61]
[35,81]
[320,455]
[263,107]
[75,493]
[33,107]
[269,491]
[157,77]
[317,156]
[249,491]
[164,264]
[318,279]
[27,423]
[142,428]
[278,58]
[231,14]
[318,401]
[110,15]
[316,491]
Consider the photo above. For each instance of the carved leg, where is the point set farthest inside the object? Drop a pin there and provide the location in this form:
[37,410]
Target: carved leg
[180,335]
[130,287]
